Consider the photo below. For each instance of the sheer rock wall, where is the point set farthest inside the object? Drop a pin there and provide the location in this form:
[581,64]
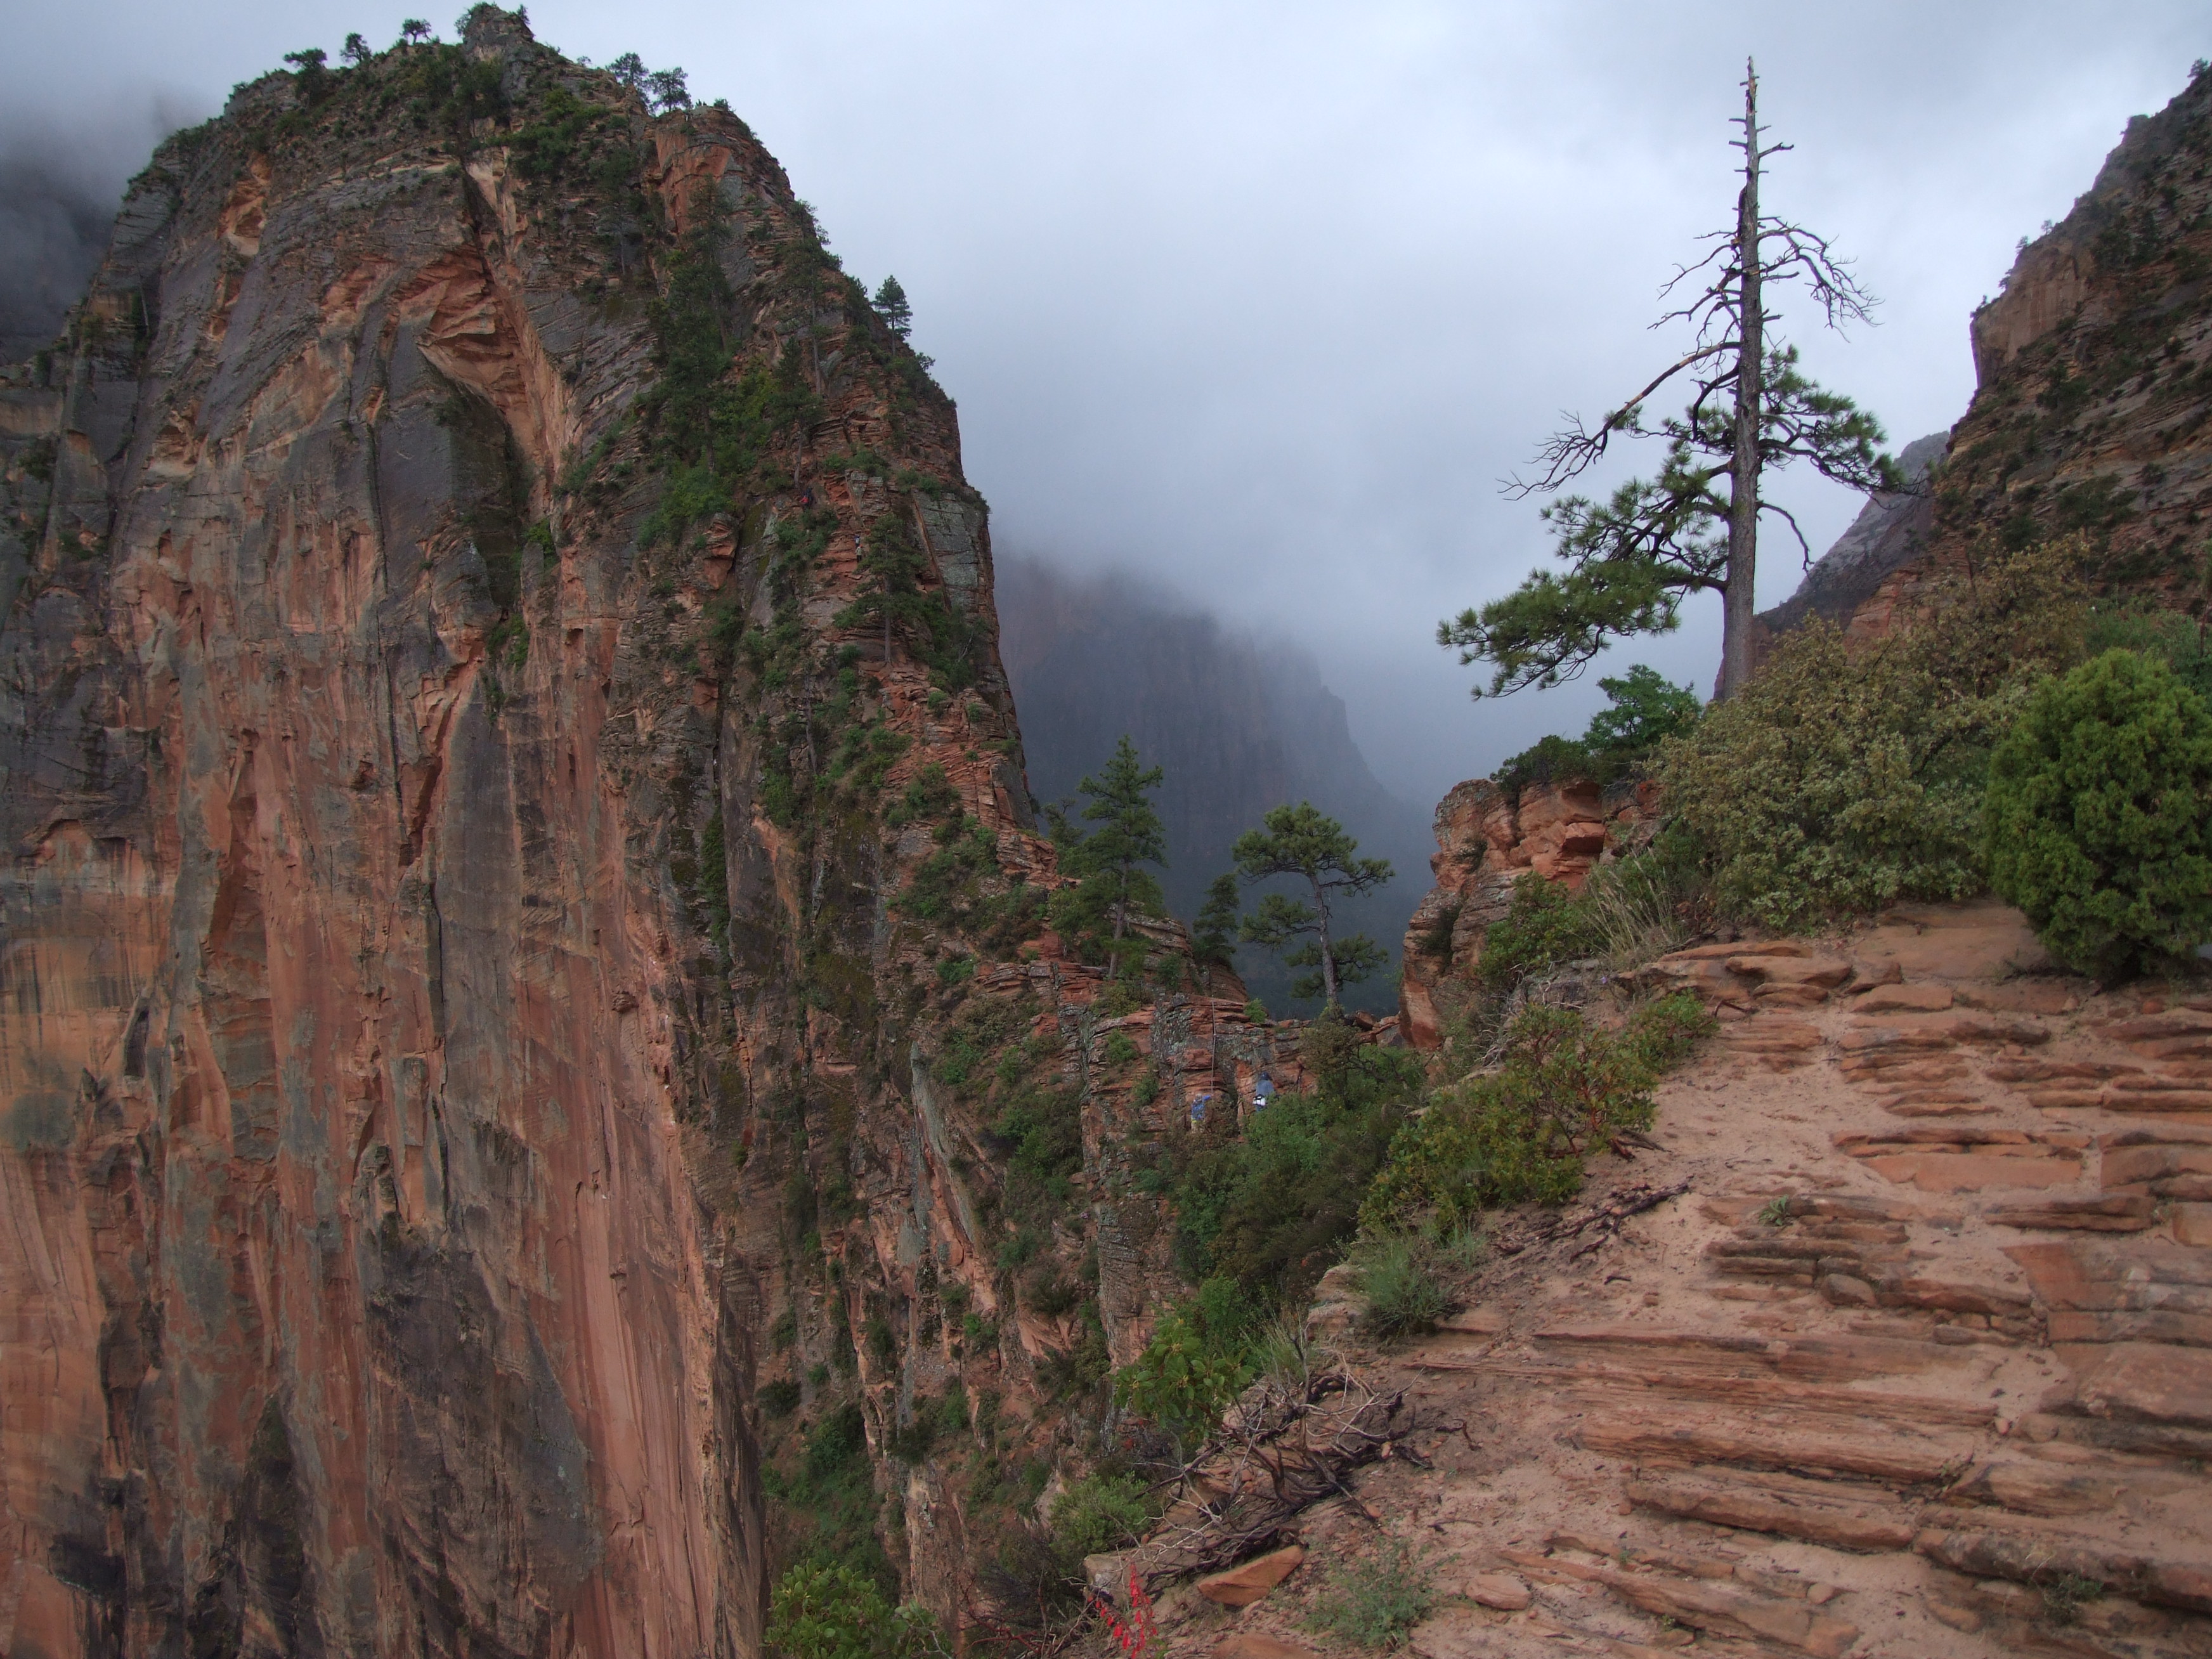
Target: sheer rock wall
[421,1004]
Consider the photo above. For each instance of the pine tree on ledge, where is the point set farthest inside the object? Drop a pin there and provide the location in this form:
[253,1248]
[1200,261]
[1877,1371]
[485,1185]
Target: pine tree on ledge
[1631,559]
[1129,831]
[1299,841]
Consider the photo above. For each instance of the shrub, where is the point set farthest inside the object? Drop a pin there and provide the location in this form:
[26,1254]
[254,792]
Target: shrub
[779,1398]
[1567,1088]
[830,1611]
[1544,927]
[1374,1602]
[1642,709]
[1182,1381]
[1271,1208]
[1839,780]
[1098,1513]
[2099,815]
[1404,1294]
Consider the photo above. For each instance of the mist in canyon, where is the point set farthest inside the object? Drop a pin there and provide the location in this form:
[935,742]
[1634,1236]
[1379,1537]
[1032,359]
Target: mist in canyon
[1237,720]
[1263,303]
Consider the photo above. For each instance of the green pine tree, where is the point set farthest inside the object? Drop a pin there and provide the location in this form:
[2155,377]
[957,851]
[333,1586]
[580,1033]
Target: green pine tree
[1300,840]
[890,303]
[1213,935]
[1634,557]
[1129,830]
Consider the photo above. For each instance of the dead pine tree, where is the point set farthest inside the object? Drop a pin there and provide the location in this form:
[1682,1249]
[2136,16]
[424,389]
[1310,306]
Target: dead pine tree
[1632,558]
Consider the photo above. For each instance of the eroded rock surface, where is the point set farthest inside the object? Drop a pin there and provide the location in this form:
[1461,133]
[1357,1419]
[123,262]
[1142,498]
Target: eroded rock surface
[1486,841]
[1914,1363]
[488,910]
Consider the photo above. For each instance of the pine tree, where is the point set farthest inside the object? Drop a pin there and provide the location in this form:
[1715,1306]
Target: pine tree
[630,70]
[1129,830]
[356,50]
[666,90]
[1300,840]
[1631,559]
[1213,935]
[414,31]
[890,303]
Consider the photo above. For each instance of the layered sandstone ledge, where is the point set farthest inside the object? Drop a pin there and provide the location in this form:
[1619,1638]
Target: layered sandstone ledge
[1487,842]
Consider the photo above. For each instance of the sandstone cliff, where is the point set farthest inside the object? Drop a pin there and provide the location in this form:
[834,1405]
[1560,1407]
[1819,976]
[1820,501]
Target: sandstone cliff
[2094,409]
[1486,841]
[1889,1341]
[518,864]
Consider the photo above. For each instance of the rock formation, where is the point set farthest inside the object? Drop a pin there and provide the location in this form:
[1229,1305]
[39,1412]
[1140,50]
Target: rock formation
[2092,413]
[1890,1340]
[1485,842]
[522,906]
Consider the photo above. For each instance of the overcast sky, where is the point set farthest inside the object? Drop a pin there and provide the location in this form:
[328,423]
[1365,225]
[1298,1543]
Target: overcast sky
[1264,299]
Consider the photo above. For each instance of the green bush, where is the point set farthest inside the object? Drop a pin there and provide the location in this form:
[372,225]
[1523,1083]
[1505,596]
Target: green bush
[2099,815]
[1098,1513]
[1374,1602]
[1545,926]
[1841,779]
[1181,1381]
[1642,709]
[1567,1088]
[1404,1293]
[830,1611]
[1272,1209]
[779,1398]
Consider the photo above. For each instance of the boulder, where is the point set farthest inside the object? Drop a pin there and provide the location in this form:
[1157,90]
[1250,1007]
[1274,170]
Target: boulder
[1248,1581]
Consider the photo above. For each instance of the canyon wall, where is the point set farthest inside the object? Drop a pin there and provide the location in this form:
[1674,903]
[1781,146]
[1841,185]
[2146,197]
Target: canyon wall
[508,786]
[2092,414]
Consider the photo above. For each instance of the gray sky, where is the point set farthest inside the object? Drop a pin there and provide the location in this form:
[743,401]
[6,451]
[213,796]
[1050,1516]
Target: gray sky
[1263,298]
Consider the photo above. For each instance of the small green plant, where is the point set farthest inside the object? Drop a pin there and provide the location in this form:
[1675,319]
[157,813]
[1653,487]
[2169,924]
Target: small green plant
[779,1398]
[1256,1011]
[1544,927]
[1567,1089]
[1775,1212]
[1404,1294]
[2064,1594]
[832,1611]
[1375,1601]
[2099,815]
[1643,708]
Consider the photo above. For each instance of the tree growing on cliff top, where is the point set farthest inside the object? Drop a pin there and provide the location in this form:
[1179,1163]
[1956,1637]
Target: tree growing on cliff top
[1300,840]
[1632,558]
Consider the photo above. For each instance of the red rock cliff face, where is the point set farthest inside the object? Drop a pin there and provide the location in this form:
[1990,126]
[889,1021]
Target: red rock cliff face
[442,921]
[1487,842]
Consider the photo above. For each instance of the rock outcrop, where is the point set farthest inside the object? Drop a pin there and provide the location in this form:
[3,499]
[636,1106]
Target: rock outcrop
[522,912]
[1890,1340]
[1485,842]
[2092,415]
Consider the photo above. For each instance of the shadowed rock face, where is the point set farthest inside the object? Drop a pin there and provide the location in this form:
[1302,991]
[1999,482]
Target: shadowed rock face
[400,962]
